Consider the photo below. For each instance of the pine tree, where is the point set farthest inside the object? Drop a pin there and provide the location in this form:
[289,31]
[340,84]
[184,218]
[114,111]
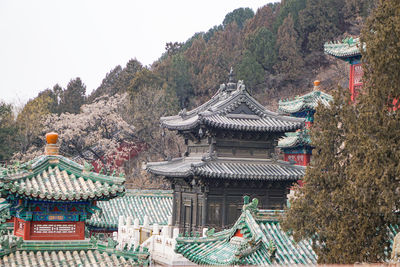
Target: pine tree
[73,97]
[290,61]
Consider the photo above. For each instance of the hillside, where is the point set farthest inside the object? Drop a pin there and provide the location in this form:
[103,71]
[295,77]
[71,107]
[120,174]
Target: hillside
[277,51]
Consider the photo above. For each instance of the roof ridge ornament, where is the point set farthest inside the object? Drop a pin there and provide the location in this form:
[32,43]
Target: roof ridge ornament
[231,86]
[252,206]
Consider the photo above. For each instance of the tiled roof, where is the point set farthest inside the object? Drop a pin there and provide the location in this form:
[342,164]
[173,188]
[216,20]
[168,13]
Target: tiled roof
[58,178]
[4,212]
[295,139]
[233,110]
[157,205]
[228,168]
[348,47]
[69,253]
[305,102]
[262,242]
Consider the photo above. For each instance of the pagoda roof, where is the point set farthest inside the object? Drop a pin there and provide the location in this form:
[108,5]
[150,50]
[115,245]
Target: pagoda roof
[69,253]
[155,204]
[294,139]
[347,48]
[261,241]
[56,178]
[228,168]
[305,102]
[232,108]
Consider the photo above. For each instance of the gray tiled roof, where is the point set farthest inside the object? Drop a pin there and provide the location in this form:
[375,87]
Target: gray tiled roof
[349,47]
[157,205]
[228,168]
[304,102]
[58,178]
[234,110]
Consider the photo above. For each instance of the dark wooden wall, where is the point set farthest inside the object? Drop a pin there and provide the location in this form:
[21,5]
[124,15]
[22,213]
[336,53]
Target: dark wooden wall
[218,204]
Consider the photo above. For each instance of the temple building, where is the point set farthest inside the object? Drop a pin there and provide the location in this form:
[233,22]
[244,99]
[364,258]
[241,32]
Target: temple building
[50,198]
[296,146]
[349,51]
[230,152]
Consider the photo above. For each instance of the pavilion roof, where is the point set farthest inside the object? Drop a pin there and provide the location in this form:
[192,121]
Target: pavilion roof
[69,253]
[305,102]
[155,204]
[263,242]
[56,178]
[232,108]
[228,168]
[295,139]
[347,48]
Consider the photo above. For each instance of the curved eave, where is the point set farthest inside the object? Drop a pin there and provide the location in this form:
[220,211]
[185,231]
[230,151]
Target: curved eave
[307,102]
[169,173]
[178,167]
[62,198]
[279,171]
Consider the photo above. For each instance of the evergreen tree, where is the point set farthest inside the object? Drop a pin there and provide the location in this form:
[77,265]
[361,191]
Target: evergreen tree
[261,45]
[290,60]
[350,197]
[240,16]
[323,209]
[320,22]
[109,85]
[7,132]
[73,97]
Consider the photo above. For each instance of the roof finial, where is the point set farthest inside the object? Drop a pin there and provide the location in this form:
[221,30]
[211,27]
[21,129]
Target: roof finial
[231,75]
[316,85]
[51,147]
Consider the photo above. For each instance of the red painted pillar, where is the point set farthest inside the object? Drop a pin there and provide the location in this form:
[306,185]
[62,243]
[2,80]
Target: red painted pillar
[351,82]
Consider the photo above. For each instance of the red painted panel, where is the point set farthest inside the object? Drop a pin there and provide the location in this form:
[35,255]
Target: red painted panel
[49,230]
[300,159]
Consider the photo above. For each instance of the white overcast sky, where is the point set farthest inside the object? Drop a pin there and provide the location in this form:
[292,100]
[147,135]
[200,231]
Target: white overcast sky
[44,42]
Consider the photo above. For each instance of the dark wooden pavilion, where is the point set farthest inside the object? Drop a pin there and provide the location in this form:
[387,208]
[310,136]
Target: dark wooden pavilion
[231,142]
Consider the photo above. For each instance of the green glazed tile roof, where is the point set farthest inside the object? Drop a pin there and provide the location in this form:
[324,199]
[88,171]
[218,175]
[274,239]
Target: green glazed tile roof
[290,140]
[4,212]
[69,253]
[58,178]
[263,243]
[348,47]
[305,102]
[157,205]
[228,168]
